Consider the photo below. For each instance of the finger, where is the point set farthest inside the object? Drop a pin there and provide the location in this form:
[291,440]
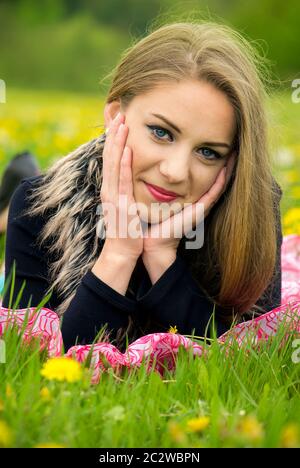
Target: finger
[125,182]
[108,145]
[188,218]
[107,150]
[174,225]
[196,212]
[111,132]
[113,174]
[127,202]
[210,197]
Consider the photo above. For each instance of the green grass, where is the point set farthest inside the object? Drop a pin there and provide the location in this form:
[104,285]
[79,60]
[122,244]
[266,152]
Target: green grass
[137,409]
[262,384]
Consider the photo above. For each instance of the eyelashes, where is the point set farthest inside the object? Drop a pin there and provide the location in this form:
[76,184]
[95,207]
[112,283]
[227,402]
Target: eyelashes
[153,128]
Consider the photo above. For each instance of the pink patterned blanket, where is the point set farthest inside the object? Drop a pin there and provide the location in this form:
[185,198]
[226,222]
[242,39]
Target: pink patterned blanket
[160,349]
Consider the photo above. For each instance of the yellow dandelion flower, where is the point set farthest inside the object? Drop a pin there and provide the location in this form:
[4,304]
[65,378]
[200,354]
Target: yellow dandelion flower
[290,436]
[291,221]
[197,424]
[45,394]
[251,428]
[176,432]
[5,435]
[49,445]
[292,216]
[9,391]
[173,329]
[62,368]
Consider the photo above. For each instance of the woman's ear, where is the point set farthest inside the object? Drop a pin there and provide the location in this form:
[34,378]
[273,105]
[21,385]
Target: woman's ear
[110,111]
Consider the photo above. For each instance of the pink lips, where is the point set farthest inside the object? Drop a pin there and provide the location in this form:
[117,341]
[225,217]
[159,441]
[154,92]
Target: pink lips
[159,195]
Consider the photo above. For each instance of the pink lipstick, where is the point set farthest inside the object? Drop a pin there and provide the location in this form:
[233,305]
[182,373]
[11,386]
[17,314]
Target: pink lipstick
[160,196]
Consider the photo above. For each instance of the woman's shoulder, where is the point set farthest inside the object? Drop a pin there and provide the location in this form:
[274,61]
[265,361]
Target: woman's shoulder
[20,204]
[32,180]
[25,185]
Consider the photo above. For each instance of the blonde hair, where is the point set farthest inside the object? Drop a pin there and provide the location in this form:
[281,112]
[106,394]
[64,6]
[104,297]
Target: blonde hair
[237,261]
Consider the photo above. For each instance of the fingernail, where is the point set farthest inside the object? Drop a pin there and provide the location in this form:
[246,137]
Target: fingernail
[118,115]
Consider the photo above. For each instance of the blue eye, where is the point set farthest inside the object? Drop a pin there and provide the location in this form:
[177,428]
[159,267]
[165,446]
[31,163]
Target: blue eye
[208,152]
[159,132]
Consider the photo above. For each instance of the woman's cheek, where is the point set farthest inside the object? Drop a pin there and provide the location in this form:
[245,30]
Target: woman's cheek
[207,180]
[137,163]
[142,159]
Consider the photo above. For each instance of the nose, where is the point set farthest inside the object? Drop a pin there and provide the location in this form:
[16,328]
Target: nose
[175,167]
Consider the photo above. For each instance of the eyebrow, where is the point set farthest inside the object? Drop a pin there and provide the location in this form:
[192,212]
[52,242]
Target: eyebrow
[211,143]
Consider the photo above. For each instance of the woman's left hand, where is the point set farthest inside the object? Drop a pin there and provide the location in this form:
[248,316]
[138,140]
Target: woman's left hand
[155,242]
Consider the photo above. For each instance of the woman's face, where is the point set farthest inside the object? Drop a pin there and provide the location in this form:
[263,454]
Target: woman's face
[182,148]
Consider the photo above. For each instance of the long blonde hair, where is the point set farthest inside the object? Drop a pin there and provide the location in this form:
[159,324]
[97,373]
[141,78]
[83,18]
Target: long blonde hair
[237,261]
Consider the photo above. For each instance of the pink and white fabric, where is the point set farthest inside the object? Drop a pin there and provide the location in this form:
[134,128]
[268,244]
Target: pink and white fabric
[290,265]
[43,324]
[160,350]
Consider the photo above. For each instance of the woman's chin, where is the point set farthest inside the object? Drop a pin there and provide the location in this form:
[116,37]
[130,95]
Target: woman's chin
[153,219]
[156,216]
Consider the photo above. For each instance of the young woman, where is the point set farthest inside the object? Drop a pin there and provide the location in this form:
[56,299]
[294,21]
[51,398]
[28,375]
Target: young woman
[185,102]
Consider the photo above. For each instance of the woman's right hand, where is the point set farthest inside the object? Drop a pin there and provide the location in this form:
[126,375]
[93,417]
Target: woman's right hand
[117,197]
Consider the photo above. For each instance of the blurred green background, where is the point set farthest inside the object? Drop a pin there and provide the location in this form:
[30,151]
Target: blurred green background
[55,57]
[69,44]
[54,53]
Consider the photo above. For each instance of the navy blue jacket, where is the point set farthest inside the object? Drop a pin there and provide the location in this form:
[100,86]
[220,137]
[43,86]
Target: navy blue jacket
[175,299]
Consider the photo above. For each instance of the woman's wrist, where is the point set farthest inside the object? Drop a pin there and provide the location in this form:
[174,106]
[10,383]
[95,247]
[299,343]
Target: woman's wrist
[114,269]
[156,263]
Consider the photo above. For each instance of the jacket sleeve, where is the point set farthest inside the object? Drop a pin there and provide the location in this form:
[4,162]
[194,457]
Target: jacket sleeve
[94,303]
[176,299]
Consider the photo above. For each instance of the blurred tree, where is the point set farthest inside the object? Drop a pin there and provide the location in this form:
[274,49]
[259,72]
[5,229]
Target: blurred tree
[33,13]
[81,38]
